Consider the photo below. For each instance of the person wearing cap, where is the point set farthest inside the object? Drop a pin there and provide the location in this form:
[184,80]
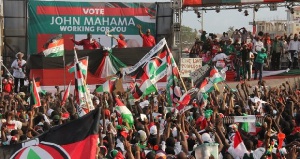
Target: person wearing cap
[88,43]
[18,67]
[148,39]
[121,40]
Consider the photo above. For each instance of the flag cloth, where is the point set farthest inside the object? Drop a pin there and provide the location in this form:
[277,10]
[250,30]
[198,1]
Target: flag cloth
[107,86]
[173,90]
[74,140]
[38,86]
[66,95]
[35,97]
[109,65]
[238,145]
[83,62]
[149,70]
[210,82]
[215,76]
[124,112]
[82,94]
[54,47]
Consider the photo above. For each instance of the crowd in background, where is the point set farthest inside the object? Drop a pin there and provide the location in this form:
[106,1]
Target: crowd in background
[239,51]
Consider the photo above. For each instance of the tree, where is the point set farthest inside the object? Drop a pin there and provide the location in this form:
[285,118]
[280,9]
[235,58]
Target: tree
[188,36]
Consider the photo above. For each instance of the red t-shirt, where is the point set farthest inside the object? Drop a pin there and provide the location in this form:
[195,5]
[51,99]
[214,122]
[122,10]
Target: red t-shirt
[121,43]
[148,41]
[87,44]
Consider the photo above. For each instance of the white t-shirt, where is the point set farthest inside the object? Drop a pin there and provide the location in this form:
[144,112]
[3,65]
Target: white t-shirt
[17,67]
[220,56]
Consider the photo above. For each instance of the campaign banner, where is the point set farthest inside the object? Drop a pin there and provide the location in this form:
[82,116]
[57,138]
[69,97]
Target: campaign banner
[199,72]
[189,65]
[76,19]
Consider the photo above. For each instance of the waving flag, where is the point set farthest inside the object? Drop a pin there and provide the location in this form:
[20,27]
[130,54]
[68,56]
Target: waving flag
[38,86]
[173,90]
[35,97]
[54,47]
[107,86]
[66,95]
[124,112]
[83,98]
[74,140]
[83,62]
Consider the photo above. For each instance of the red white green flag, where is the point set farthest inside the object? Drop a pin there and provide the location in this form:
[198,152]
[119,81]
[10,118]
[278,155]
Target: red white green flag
[66,95]
[83,62]
[74,140]
[107,86]
[173,90]
[124,112]
[35,97]
[82,94]
[54,48]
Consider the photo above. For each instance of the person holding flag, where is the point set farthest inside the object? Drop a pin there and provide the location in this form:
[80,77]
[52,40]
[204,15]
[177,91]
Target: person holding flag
[121,40]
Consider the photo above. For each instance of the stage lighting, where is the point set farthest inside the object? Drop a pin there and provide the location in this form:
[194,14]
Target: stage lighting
[198,14]
[246,13]
[240,9]
[218,9]
[256,7]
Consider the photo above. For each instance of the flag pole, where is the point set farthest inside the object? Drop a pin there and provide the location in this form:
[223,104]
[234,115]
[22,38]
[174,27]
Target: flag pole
[86,95]
[64,60]
[177,70]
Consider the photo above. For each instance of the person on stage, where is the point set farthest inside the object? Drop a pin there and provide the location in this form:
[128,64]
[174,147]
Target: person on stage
[88,43]
[121,40]
[18,67]
[148,39]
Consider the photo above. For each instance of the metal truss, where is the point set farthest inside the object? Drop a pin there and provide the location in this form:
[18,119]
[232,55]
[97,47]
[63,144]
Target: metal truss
[238,6]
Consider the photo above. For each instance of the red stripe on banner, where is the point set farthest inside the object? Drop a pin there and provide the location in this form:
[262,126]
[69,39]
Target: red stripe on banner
[91,11]
[83,149]
[53,77]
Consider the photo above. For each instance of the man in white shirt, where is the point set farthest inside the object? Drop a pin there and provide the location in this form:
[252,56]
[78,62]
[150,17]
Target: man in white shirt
[18,67]
[293,52]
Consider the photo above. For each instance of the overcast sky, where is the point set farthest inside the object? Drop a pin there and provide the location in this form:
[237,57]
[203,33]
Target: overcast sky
[218,22]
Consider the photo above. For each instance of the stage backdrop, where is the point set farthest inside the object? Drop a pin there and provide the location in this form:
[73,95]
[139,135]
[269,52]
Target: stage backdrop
[76,19]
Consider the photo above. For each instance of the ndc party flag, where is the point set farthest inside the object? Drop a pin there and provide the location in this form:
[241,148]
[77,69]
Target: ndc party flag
[38,86]
[34,94]
[74,140]
[54,47]
[66,95]
[107,86]
[124,112]
[83,63]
